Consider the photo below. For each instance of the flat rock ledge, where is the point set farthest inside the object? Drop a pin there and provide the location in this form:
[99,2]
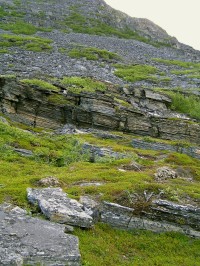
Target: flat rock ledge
[31,241]
[57,207]
[123,217]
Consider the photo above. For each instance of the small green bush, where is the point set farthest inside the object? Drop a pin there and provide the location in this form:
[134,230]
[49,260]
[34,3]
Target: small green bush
[177,63]
[92,53]
[58,99]
[36,44]
[21,27]
[40,83]
[78,84]
[186,104]
[135,73]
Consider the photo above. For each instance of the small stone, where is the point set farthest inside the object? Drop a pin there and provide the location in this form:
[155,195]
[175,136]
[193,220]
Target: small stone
[24,152]
[133,166]
[164,173]
[49,181]
[69,229]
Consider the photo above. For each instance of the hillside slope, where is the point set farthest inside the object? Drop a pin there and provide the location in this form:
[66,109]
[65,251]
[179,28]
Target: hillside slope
[107,108]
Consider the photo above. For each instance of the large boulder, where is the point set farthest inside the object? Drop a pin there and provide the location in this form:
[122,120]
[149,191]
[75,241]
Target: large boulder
[31,241]
[57,207]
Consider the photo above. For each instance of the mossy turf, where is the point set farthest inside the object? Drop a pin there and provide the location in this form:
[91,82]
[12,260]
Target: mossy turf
[189,70]
[40,84]
[92,53]
[186,103]
[106,246]
[134,73]
[80,84]
[35,44]
[62,156]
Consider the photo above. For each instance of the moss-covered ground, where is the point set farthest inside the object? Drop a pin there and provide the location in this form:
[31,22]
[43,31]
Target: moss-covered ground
[62,156]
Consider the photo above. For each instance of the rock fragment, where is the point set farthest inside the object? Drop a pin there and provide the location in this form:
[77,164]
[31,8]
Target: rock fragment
[164,173]
[57,207]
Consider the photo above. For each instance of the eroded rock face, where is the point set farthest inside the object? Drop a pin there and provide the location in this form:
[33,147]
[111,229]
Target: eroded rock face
[57,207]
[168,217]
[31,105]
[29,241]
[158,146]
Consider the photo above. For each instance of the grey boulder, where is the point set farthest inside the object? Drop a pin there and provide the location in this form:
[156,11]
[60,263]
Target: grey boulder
[31,241]
[57,207]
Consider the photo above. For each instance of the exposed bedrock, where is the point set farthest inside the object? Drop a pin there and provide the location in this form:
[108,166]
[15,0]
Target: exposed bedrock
[31,241]
[141,112]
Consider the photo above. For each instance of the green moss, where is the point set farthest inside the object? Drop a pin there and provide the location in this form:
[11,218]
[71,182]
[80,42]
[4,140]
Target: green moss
[28,43]
[3,51]
[177,63]
[92,53]
[138,248]
[21,27]
[186,104]
[58,99]
[123,103]
[41,84]
[135,73]
[78,84]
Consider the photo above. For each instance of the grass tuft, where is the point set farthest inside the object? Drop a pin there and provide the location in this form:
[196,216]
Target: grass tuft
[78,84]
[40,83]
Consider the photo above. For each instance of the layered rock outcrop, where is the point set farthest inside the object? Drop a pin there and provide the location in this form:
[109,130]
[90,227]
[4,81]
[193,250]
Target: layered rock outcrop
[158,215]
[138,111]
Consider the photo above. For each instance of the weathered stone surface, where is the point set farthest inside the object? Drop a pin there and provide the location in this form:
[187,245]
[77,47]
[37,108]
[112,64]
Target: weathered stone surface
[57,207]
[158,146]
[3,120]
[29,241]
[124,217]
[28,105]
[187,215]
[24,152]
[164,173]
[133,166]
[103,152]
[49,181]
[91,207]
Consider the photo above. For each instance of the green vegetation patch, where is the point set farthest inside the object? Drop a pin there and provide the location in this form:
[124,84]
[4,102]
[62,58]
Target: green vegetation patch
[186,104]
[78,84]
[10,12]
[21,27]
[36,44]
[58,99]
[92,53]
[135,73]
[41,84]
[177,63]
[62,157]
[189,69]
[104,245]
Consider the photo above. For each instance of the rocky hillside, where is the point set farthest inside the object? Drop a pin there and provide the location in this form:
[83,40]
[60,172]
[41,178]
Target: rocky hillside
[99,130]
